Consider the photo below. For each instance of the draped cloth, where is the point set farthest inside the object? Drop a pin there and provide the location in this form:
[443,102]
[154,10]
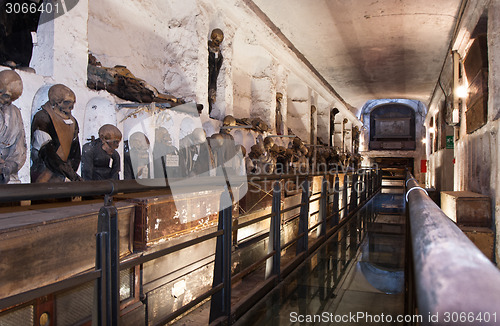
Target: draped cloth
[12,144]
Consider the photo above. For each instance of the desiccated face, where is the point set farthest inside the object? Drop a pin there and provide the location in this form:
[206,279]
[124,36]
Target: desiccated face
[139,142]
[217,37]
[162,135]
[268,143]
[111,137]
[216,141]
[11,87]
[229,121]
[279,97]
[198,136]
[62,100]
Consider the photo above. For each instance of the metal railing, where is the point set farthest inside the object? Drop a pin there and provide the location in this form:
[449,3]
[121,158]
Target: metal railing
[106,273]
[454,282]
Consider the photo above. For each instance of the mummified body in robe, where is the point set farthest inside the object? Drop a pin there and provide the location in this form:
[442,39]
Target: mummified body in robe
[136,157]
[195,155]
[12,138]
[100,160]
[214,64]
[165,155]
[55,148]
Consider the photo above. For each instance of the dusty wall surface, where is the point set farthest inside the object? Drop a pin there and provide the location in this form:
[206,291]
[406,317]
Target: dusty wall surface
[476,155]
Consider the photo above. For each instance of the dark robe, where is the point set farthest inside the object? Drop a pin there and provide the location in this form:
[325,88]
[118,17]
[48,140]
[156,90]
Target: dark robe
[224,156]
[132,161]
[214,64]
[195,160]
[55,149]
[97,164]
[166,161]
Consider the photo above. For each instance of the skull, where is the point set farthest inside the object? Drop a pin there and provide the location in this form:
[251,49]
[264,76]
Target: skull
[297,142]
[216,141]
[217,37]
[279,97]
[162,136]
[139,142]
[110,137]
[268,143]
[229,121]
[62,100]
[11,87]
[198,136]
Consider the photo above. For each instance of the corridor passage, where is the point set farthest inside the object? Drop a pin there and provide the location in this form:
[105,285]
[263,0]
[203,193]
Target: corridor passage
[358,273]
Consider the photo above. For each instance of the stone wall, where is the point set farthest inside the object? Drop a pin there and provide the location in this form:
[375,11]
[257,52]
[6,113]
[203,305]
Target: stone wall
[476,155]
[165,44]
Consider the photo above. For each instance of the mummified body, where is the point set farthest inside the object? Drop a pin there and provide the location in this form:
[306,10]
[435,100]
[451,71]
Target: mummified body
[12,138]
[55,148]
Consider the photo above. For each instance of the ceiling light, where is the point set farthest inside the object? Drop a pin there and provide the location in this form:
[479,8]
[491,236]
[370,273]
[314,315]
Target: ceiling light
[462,91]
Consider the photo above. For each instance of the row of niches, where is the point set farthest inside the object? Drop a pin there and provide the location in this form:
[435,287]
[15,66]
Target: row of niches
[158,141]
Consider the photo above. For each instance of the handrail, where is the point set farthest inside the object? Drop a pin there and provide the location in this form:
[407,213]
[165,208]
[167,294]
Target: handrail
[451,273]
[39,191]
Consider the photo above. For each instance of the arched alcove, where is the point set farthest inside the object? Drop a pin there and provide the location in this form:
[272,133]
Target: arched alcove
[98,112]
[392,126]
[41,97]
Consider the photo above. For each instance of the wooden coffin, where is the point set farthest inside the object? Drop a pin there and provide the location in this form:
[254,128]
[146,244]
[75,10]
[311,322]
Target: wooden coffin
[40,245]
[467,208]
[159,218]
[483,238]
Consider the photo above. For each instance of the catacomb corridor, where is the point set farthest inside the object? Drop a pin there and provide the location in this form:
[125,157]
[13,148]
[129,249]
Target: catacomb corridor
[249,162]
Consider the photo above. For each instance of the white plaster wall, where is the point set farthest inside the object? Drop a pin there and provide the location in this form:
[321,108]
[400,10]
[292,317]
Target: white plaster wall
[323,120]
[477,155]
[165,43]
[162,42]
[299,107]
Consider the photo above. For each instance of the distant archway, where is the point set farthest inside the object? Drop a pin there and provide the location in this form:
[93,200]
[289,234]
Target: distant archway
[392,126]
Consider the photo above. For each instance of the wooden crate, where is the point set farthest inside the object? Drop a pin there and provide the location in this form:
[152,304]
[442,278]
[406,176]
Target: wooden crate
[483,238]
[159,218]
[40,245]
[467,208]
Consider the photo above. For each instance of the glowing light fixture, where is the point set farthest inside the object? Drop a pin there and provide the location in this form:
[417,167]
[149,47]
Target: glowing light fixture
[461,92]
[424,141]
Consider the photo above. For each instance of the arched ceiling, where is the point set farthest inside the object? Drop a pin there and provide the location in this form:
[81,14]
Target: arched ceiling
[368,49]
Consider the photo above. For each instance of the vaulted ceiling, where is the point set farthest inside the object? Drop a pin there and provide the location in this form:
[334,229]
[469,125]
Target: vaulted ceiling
[368,49]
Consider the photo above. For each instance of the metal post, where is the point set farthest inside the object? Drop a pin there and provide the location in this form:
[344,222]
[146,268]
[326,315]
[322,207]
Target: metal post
[323,209]
[220,304]
[370,183]
[364,184]
[344,196]
[273,263]
[108,222]
[354,193]
[302,243]
[100,315]
[336,194]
